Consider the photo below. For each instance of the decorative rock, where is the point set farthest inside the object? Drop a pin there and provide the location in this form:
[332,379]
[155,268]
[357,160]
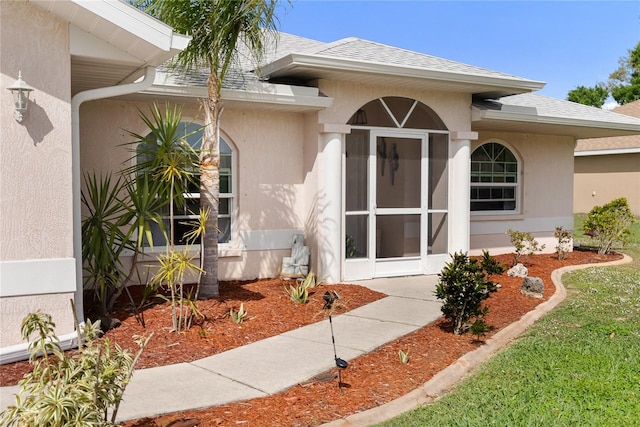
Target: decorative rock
[532,287]
[518,270]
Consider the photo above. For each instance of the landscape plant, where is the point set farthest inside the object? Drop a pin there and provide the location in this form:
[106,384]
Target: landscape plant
[564,242]
[403,356]
[463,285]
[524,244]
[238,316]
[609,225]
[300,292]
[63,390]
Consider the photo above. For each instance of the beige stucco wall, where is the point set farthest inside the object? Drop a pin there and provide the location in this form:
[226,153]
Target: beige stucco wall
[546,192]
[601,179]
[35,179]
[269,177]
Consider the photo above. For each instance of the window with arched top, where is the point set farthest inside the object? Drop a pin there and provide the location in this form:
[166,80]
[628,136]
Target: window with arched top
[397,112]
[188,211]
[495,181]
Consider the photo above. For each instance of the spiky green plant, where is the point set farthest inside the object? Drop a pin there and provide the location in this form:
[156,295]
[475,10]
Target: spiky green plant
[403,356]
[81,390]
[238,316]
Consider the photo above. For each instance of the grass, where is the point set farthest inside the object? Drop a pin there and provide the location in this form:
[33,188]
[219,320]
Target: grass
[578,366]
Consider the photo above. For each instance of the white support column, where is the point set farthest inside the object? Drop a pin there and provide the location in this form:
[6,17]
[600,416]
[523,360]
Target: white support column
[330,203]
[460,219]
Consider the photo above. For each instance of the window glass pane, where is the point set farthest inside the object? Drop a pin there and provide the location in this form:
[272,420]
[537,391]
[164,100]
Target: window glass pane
[357,236]
[357,171]
[223,206]
[397,236]
[225,184]
[224,224]
[398,169]
[438,171]
[437,243]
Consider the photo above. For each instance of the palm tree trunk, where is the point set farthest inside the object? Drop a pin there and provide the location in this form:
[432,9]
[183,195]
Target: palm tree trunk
[210,190]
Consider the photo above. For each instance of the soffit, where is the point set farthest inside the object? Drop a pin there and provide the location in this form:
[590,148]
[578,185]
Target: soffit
[111,42]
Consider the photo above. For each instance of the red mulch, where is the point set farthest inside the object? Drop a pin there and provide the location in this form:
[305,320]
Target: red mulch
[369,381]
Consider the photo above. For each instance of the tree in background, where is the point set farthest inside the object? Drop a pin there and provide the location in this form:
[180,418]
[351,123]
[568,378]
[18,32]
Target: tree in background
[625,81]
[623,84]
[220,30]
[594,96]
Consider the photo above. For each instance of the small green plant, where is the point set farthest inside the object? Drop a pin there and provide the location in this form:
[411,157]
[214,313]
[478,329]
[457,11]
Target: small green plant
[564,242]
[524,244]
[300,292]
[403,356]
[479,328]
[238,316]
[81,390]
[490,265]
[463,285]
[609,225]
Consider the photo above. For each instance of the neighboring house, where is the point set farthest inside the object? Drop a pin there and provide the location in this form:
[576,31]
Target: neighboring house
[608,168]
[387,160]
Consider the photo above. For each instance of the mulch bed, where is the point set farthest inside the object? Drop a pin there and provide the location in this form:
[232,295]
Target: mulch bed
[369,381]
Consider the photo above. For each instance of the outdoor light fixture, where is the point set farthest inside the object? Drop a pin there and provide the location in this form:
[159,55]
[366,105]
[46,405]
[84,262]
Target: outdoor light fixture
[20,91]
[329,298]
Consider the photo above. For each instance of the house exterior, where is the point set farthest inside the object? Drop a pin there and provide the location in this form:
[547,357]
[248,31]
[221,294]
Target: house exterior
[608,168]
[386,160]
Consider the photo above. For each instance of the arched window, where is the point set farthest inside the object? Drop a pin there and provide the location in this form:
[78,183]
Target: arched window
[189,211]
[494,179]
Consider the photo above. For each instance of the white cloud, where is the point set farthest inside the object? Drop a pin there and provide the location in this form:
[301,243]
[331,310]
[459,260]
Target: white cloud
[610,105]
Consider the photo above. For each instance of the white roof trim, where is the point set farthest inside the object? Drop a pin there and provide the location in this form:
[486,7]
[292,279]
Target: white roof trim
[478,114]
[295,97]
[606,152]
[348,65]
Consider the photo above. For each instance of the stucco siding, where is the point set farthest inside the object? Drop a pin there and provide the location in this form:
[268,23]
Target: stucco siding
[269,175]
[35,179]
[546,192]
[600,179]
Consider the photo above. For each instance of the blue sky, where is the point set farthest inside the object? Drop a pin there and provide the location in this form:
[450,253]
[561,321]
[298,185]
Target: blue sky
[563,43]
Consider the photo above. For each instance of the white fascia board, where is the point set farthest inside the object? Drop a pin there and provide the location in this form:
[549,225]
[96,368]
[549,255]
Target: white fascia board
[607,152]
[511,116]
[341,64]
[262,93]
[137,23]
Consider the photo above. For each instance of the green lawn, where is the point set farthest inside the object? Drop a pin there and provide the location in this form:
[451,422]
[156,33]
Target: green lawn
[578,366]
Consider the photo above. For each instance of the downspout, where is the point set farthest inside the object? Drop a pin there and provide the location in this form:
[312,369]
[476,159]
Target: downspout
[76,101]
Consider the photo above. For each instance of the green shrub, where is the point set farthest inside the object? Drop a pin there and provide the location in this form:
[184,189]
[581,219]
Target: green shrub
[564,242]
[463,285]
[609,224]
[81,390]
[524,244]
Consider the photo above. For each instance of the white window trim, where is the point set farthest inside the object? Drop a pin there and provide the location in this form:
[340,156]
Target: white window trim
[518,186]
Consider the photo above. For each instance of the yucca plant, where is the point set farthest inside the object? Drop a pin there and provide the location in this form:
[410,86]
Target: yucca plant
[403,356]
[81,390]
[238,316]
[103,238]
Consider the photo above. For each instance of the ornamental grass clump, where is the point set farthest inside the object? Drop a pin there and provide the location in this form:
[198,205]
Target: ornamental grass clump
[80,390]
[463,284]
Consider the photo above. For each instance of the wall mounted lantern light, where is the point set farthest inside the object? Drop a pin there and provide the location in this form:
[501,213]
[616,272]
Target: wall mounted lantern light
[20,91]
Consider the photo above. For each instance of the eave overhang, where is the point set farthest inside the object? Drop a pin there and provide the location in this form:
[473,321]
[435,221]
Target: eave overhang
[112,42]
[256,96]
[527,120]
[308,67]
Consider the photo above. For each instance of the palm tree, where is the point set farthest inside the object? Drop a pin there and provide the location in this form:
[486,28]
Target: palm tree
[219,30]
